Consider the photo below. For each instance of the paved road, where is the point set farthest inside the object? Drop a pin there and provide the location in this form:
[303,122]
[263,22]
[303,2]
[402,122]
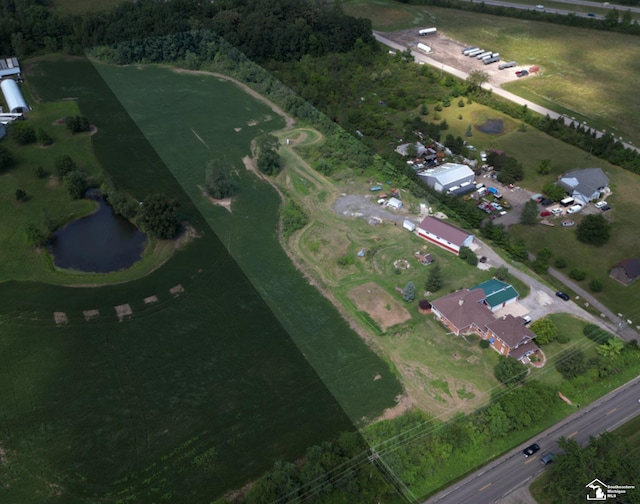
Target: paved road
[586,3]
[420,57]
[499,479]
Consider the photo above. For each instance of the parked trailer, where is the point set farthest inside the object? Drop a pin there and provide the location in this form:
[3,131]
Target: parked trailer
[427,31]
[483,54]
[508,64]
[493,59]
[495,54]
[468,49]
[475,52]
[424,47]
[534,69]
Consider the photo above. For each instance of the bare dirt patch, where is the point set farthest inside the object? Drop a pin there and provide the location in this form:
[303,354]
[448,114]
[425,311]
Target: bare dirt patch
[123,311]
[188,233]
[379,304]
[151,299]
[60,317]
[224,202]
[403,404]
[90,314]
[53,181]
[176,290]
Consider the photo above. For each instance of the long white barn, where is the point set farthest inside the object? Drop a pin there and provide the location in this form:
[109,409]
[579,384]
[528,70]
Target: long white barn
[13,96]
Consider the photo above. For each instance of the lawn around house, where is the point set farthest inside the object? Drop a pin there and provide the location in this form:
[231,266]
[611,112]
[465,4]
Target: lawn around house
[578,72]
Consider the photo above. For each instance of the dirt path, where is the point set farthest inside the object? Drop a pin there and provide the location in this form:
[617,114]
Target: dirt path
[290,121]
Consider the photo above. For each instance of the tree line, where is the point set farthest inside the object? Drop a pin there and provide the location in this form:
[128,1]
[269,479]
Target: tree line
[276,30]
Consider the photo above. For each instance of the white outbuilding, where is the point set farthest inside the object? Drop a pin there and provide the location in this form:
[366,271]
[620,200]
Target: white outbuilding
[394,203]
[447,175]
[13,96]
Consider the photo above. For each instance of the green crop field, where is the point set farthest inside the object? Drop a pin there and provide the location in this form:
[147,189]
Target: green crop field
[182,384]
[585,73]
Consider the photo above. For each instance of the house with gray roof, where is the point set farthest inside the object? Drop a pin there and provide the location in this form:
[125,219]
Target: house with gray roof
[444,177]
[626,271]
[584,185]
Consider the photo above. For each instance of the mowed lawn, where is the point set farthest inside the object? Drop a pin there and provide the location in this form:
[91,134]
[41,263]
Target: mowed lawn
[584,73]
[199,390]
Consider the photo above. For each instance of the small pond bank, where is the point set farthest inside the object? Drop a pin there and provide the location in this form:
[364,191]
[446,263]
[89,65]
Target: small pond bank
[101,242]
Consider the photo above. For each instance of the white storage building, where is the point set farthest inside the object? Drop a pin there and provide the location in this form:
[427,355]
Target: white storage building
[13,96]
[443,177]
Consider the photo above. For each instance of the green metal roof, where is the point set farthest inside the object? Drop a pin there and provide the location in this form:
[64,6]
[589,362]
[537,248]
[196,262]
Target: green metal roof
[496,292]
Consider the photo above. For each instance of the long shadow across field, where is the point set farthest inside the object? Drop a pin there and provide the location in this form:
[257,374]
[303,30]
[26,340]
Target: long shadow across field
[193,393]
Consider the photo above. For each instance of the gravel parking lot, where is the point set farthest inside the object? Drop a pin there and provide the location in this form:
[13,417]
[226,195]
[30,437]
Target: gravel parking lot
[449,52]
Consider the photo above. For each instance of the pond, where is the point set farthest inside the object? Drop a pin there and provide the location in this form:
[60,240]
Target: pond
[98,243]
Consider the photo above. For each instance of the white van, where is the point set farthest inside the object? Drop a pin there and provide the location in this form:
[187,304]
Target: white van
[574,209]
[567,201]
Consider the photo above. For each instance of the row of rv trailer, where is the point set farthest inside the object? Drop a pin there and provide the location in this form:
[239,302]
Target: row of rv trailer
[487,57]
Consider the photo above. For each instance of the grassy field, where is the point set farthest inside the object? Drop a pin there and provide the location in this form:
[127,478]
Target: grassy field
[580,76]
[201,387]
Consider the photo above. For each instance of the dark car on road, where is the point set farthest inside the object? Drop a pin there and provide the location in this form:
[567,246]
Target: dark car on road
[547,459]
[530,450]
[563,295]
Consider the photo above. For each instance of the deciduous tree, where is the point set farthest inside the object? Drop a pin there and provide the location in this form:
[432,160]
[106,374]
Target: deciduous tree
[594,229]
[545,331]
[529,214]
[217,182]
[509,370]
[158,216]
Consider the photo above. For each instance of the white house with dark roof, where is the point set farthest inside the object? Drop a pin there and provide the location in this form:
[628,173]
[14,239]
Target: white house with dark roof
[626,271]
[584,185]
[442,178]
[443,234]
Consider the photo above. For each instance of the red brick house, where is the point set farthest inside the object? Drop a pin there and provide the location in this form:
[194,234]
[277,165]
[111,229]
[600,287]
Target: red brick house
[463,311]
[508,334]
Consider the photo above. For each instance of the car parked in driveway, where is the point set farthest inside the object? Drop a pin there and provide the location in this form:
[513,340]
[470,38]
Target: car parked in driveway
[574,209]
[556,211]
[605,208]
[530,450]
[563,295]
[545,213]
[600,204]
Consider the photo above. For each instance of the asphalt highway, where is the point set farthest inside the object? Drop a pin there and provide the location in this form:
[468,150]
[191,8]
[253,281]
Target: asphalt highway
[513,470]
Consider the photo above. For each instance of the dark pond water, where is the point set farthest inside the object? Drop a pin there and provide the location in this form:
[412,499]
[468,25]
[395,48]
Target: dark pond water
[98,243]
[492,127]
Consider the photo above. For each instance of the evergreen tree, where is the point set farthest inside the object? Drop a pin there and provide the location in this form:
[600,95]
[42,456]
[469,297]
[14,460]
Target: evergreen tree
[434,280]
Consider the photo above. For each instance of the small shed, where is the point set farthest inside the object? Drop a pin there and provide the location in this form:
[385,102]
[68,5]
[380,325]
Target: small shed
[408,225]
[394,203]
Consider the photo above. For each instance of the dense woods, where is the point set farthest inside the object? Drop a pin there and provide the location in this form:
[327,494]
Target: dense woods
[276,30]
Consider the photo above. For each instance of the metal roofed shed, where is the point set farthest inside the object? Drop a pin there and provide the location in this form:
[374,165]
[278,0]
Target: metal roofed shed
[13,96]
[9,66]
[409,225]
[442,178]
